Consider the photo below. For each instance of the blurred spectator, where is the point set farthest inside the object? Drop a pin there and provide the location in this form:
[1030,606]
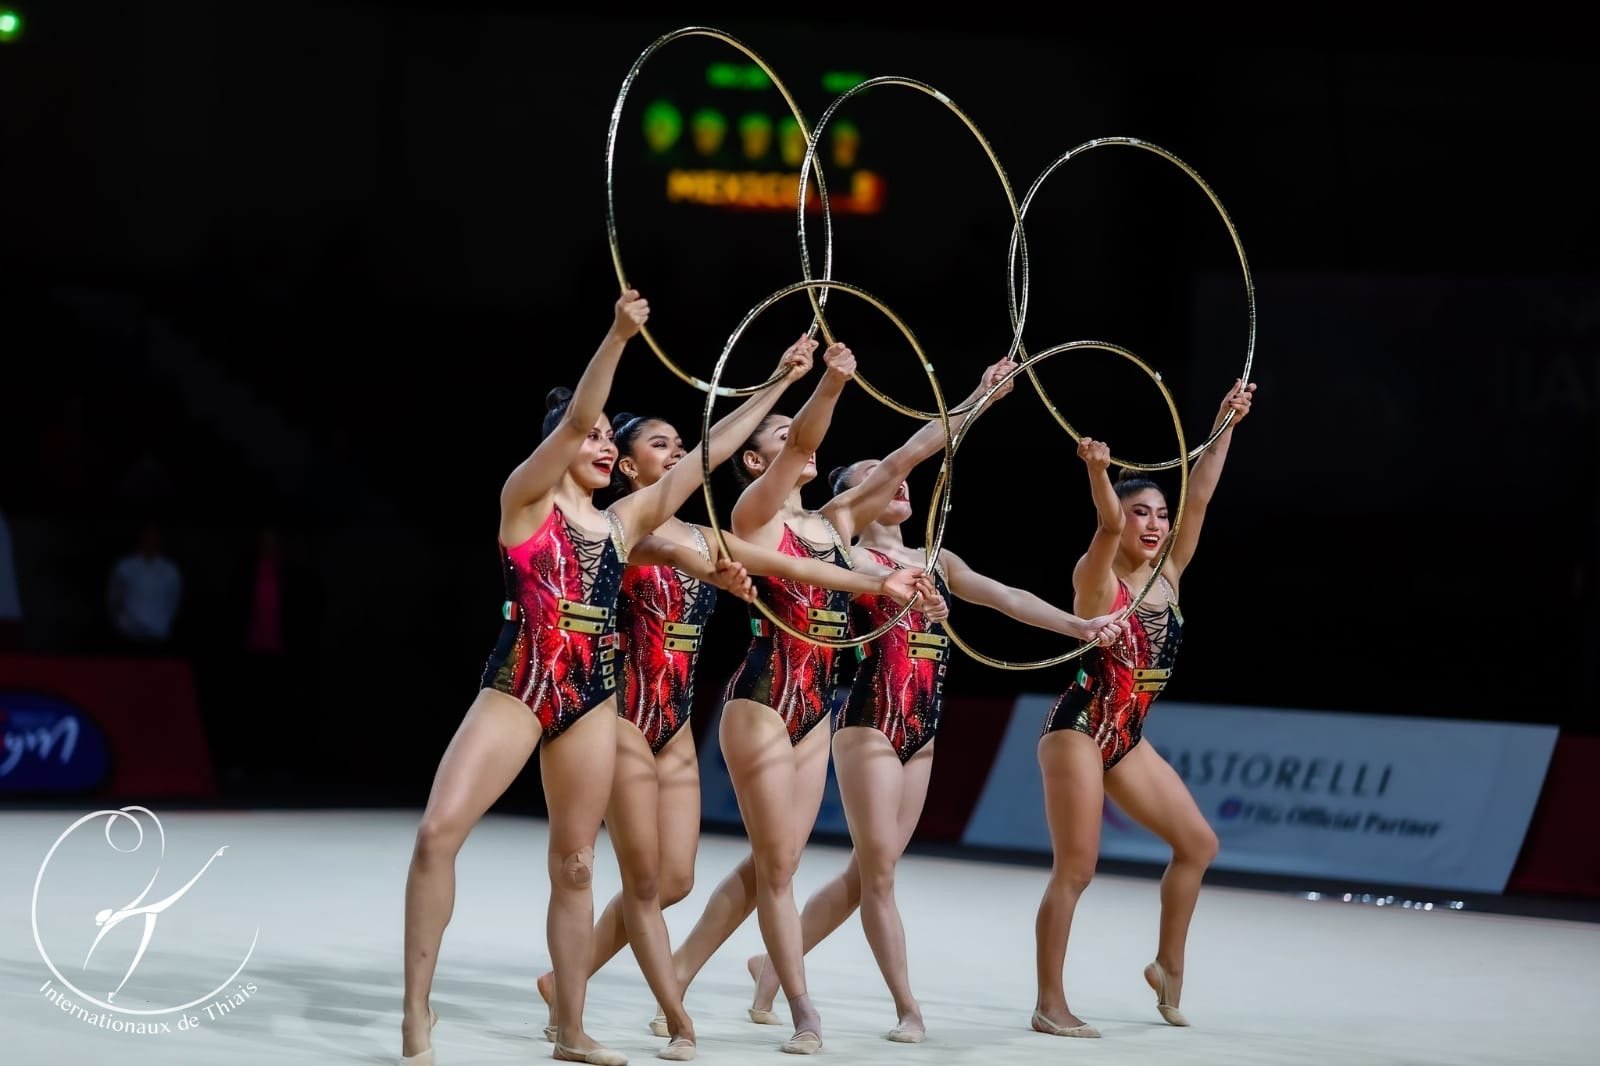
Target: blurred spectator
[10,601]
[144,593]
[276,592]
[264,617]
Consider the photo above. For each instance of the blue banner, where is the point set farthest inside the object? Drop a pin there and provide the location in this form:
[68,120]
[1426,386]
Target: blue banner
[49,745]
[1403,801]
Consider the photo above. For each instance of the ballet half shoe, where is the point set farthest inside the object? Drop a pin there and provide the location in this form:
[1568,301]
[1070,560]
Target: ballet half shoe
[549,1010]
[422,1058]
[598,1057]
[763,1015]
[1041,1024]
[658,1024]
[802,1043]
[901,1034]
[1172,1014]
[680,1050]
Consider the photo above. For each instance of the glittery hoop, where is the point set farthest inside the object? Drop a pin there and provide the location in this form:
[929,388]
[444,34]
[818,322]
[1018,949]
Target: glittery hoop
[1018,312]
[941,496]
[935,533]
[1019,244]
[611,209]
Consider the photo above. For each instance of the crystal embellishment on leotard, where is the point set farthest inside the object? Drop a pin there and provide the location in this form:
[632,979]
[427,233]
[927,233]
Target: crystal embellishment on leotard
[899,684]
[1111,696]
[661,614]
[789,675]
[558,640]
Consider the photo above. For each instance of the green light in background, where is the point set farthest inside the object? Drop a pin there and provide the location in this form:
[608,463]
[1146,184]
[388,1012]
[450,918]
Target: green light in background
[10,25]
[736,76]
[663,125]
[846,136]
[755,134]
[791,142]
[838,81]
[709,129]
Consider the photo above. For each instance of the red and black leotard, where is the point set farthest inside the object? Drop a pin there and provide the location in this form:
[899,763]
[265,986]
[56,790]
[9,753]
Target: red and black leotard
[558,648]
[793,676]
[661,614]
[1114,690]
[899,685]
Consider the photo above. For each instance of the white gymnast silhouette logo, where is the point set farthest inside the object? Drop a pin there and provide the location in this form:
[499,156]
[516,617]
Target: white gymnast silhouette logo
[109,918]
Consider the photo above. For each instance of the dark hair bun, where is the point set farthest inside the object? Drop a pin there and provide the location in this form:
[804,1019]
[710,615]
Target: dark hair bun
[622,418]
[838,476]
[557,397]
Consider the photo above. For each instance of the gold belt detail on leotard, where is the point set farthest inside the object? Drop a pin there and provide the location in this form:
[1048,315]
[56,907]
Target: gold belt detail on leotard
[682,636]
[1152,680]
[935,646]
[578,617]
[826,623]
[817,628]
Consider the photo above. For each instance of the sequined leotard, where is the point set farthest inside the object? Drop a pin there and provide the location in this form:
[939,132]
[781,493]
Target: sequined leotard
[661,614]
[899,686]
[792,676]
[558,648]
[1114,690]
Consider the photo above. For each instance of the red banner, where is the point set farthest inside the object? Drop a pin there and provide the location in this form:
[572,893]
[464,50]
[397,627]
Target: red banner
[106,727]
[1560,855]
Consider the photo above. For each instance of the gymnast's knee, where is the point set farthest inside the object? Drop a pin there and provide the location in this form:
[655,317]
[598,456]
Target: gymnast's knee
[776,865]
[576,869]
[1197,848]
[676,884]
[1072,876]
[878,880]
[438,839]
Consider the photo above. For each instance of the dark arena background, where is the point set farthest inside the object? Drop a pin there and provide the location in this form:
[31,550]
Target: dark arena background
[283,288]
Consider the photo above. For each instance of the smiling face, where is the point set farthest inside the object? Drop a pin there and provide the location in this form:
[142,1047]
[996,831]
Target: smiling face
[592,468]
[654,449]
[1147,524]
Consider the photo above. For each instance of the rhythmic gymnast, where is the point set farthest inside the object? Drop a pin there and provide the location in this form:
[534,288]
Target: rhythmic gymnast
[776,758]
[883,740]
[1090,747]
[554,664]
[654,813]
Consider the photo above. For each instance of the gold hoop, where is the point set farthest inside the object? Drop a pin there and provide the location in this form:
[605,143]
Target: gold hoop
[1244,264]
[939,490]
[611,206]
[936,534]
[1018,315]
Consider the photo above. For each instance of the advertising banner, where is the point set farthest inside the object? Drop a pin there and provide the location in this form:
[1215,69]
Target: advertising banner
[1406,801]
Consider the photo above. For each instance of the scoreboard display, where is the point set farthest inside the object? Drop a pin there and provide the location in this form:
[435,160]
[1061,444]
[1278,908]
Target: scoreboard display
[727,140]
